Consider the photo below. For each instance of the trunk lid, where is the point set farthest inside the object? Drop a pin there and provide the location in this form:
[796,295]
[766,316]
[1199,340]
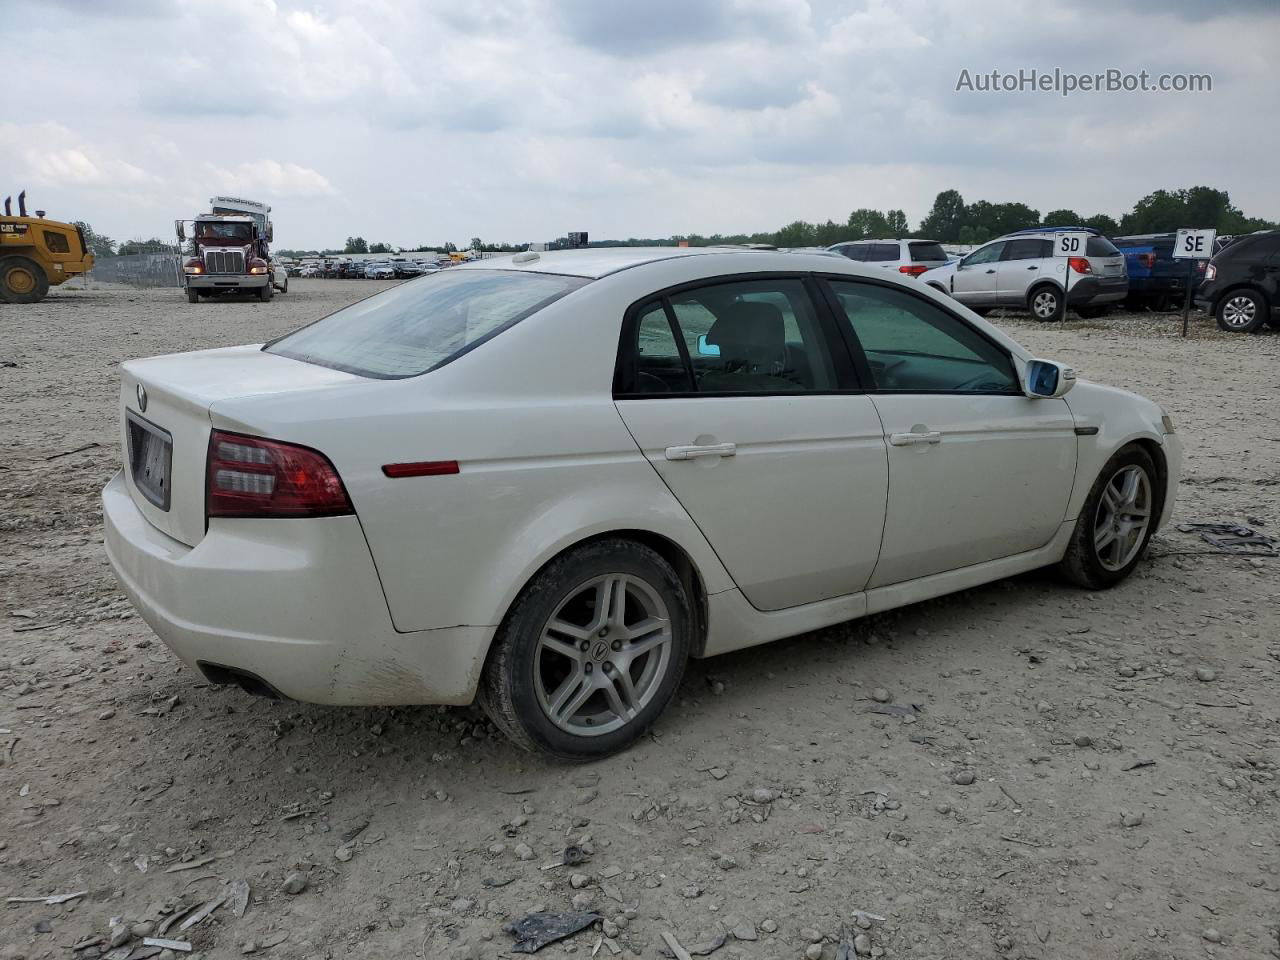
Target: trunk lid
[165,423]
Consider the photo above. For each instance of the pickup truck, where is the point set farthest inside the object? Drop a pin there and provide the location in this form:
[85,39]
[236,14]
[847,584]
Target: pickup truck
[1156,280]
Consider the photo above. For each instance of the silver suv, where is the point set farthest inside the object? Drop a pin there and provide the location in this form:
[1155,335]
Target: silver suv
[1019,270]
[912,257]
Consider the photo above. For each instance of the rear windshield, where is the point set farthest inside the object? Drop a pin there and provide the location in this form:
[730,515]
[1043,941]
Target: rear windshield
[416,327]
[927,252]
[1100,247]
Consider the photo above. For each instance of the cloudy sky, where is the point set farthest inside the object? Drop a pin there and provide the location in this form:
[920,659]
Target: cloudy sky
[420,122]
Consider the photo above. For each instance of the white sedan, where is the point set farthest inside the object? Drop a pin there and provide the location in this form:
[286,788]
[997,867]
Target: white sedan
[548,480]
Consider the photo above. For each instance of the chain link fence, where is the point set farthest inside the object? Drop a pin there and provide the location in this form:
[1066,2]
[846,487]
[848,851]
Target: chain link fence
[143,265]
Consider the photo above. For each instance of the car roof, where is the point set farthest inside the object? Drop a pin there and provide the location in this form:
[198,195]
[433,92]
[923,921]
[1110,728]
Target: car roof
[845,243]
[1049,231]
[596,262]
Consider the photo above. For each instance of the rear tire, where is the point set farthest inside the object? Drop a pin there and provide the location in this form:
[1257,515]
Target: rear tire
[1116,522]
[1241,311]
[22,281]
[591,652]
[1046,303]
[193,296]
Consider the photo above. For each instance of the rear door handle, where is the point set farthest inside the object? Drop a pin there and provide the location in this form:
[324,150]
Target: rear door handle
[990,271]
[1033,267]
[694,451]
[907,439]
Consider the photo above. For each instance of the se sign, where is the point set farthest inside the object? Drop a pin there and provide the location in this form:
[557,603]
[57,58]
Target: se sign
[1194,244]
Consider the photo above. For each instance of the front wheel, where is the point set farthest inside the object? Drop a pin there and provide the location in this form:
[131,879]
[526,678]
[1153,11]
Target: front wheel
[265,292]
[22,281]
[591,652]
[1241,311]
[1047,304]
[1115,523]
[192,296]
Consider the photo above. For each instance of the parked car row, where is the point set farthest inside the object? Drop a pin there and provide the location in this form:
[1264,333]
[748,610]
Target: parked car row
[1240,286]
[392,267]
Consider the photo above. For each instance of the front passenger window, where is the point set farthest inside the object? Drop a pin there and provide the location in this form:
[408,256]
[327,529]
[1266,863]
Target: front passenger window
[987,254]
[913,346]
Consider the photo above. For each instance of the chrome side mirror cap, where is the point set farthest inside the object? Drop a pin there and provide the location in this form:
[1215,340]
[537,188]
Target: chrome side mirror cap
[1047,380]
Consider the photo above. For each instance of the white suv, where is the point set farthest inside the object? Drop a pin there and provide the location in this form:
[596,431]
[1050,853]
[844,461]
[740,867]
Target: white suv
[1019,270]
[910,257]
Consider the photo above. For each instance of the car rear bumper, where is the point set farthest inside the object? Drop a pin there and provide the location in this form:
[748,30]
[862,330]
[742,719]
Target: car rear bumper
[296,604]
[1094,290]
[224,282]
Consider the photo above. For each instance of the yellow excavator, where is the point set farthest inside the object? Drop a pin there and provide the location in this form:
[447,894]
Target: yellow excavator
[36,254]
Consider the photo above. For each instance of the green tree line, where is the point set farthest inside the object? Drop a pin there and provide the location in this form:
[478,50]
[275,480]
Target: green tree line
[949,220]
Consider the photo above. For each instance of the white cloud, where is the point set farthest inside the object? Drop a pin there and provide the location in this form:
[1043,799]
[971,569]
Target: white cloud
[269,176]
[521,119]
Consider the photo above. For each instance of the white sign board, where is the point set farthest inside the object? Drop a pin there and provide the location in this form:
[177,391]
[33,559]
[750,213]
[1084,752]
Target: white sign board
[1194,244]
[1070,244]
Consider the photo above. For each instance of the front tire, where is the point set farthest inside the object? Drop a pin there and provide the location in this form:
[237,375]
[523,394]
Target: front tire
[22,281]
[1241,311]
[192,296]
[1116,522]
[591,652]
[1047,303]
[265,292]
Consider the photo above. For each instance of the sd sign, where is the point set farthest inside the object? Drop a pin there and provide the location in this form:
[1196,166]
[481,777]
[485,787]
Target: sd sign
[1194,244]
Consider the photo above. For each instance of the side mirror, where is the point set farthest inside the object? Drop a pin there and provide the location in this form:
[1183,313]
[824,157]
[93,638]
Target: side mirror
[181,230]
[1047,380]
[270,231]
[707,349]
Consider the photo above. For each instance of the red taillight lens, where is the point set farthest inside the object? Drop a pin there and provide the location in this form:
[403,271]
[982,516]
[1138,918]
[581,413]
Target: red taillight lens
[1079,264]
[913,270]
[1148,260]
[252,477]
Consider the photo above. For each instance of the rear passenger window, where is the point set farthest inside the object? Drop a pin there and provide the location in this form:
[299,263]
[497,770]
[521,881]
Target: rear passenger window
[883,252]
[1100,247]
[854,251]
[913,346]
[742,337]
[1027,249]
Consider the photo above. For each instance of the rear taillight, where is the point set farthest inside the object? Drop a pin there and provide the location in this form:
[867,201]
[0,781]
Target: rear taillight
[1079,264]
[913,270]
[1148,260]
[1210,272]
[252,477]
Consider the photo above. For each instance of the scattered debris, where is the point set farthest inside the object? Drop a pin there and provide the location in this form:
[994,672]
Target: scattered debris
[52,900]
[1234,538]
[239,897]
[191,865]
[182,946]
[674,949]
[896,709]
[1137,765]
[535,930]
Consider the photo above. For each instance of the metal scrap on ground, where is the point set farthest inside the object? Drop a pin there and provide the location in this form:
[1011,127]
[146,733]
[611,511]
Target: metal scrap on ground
[1234,538]
[535,930]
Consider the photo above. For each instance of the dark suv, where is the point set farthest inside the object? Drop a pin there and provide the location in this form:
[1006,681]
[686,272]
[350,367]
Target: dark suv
[1242,283]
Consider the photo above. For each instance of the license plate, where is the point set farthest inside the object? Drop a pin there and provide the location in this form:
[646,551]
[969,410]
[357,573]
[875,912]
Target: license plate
[150,459]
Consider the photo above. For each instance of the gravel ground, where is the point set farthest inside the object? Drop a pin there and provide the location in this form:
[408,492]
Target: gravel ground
[1091,775]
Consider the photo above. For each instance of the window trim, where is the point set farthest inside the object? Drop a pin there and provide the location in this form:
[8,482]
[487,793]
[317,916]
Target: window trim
[829,331]
[854,344]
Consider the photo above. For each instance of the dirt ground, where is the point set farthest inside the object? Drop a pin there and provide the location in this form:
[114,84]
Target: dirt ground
[1123,746]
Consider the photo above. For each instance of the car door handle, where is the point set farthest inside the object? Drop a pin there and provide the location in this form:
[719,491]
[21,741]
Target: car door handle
[694,451]
[1033,267]
[990,271]
[907,439]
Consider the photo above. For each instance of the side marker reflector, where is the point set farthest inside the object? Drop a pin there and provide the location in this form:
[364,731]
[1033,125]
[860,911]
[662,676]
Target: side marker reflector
[423,468]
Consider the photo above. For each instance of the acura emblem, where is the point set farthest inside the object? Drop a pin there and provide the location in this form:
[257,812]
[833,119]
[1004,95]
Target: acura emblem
[142,399]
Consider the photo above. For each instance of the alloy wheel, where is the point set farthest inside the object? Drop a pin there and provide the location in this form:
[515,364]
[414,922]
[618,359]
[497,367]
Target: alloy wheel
[1044,305]
[1239,312]
[602,655]
[1124,514]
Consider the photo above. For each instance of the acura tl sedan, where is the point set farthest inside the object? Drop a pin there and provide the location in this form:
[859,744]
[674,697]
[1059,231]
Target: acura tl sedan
[547,481]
